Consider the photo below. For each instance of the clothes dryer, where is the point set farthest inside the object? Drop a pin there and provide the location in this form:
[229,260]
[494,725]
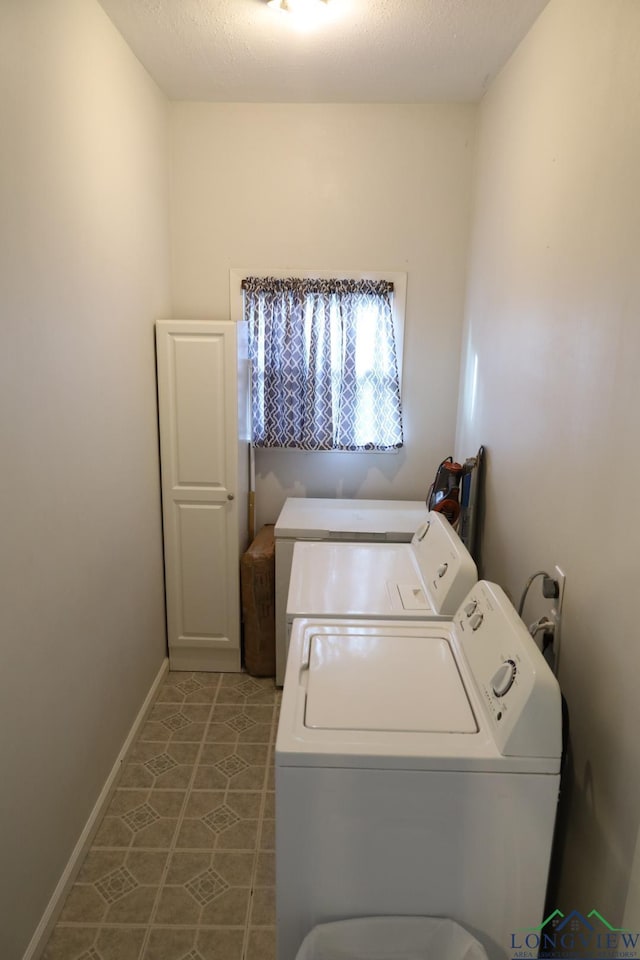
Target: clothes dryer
[417,773]
[422,580]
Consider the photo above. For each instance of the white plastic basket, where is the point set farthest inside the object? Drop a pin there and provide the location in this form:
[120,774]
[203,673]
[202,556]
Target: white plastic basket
[391,938]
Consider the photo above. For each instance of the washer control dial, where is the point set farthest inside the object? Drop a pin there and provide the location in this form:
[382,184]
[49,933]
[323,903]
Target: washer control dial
[476,620]
[470,607]
[442,569]
[503,678]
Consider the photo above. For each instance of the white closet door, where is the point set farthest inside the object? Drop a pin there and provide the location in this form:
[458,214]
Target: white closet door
[197,394]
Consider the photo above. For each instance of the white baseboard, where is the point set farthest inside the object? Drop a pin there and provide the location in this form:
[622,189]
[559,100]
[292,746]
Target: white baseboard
[52,912]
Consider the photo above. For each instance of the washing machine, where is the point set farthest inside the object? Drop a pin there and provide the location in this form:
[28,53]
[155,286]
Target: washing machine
[417,773]
[313,518]
[422,580]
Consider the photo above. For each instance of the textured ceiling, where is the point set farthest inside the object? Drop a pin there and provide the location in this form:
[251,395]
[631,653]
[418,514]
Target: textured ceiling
[392,51]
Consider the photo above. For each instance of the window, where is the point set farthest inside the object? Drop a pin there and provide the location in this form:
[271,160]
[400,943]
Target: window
[324,366]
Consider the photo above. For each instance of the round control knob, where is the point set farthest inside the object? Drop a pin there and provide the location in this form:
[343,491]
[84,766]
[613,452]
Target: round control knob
[471,607]
[503,678]
[442,569]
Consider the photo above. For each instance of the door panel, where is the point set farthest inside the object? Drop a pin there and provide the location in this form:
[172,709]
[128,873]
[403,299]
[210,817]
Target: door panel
[199,429]
[202,535]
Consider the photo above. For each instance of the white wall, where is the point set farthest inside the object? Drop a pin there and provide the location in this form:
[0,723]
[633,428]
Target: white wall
[553,318]
[83,274]
[342,187]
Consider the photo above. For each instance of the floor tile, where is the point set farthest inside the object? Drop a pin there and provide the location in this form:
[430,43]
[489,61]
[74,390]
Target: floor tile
[265,869]
[262,943]
[263,906]
[182,723]
[187,688]
[176,906]
[182,864]
[232,907]
[270,804]
[240,723]
[70,943]
[123,944]
[221,943]
[91,943]
[246,690]
[169,944]
[163,765]
[140,818]
[268,835]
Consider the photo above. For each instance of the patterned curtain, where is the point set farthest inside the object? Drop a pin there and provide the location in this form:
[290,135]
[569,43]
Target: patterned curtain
[324,371]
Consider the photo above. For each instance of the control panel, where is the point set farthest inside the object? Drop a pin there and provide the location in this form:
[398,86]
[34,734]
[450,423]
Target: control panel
[444,563]
[519,693]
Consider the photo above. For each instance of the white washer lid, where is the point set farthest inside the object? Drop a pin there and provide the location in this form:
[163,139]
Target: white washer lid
[394,683]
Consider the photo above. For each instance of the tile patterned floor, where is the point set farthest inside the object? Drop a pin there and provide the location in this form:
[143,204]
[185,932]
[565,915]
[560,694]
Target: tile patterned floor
[182,864]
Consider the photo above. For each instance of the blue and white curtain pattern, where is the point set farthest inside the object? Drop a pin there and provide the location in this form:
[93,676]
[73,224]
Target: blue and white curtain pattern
[324,370]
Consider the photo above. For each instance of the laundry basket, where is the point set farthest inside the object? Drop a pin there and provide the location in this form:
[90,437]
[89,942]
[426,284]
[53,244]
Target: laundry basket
[258,592]
[391,938]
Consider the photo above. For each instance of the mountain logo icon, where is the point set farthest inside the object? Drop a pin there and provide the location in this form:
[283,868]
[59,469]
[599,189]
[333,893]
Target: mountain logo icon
[575,920]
